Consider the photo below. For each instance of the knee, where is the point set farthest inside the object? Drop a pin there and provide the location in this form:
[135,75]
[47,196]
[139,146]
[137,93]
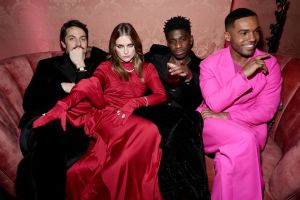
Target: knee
[148,135]
[153,132]
[151,128]
[75,170]
[247,138]
[246,143]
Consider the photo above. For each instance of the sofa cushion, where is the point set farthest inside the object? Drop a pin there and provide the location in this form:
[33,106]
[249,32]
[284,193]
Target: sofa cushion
[269,159]
[285,181]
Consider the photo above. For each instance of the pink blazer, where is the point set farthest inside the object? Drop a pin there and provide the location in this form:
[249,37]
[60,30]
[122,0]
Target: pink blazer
[226,89]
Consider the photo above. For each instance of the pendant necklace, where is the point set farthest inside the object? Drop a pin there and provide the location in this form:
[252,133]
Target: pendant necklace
[129,71]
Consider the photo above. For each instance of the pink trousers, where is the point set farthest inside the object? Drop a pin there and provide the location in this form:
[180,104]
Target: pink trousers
[237,159]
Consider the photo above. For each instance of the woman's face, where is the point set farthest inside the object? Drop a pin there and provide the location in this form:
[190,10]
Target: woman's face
[125,48]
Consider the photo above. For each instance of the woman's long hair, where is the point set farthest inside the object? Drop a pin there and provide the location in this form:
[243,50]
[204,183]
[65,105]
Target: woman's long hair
[126,29]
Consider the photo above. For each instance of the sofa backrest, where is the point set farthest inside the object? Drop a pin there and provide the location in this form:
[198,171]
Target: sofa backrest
[15,74]
[286,130]
[284,182]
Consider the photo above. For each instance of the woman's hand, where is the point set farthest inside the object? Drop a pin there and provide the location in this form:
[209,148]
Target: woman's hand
[121,117]
[122,114]
[59,111]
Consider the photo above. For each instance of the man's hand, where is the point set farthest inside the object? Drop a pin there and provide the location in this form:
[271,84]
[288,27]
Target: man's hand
[207,113]
[67,87]
[77,56]
[256,64]
[181,70]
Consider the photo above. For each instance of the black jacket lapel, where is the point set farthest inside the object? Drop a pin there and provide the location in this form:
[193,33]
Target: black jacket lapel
[67,68]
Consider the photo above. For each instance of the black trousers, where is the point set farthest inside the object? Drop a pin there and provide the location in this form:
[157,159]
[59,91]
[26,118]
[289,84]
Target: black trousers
[48,153]
[182,173]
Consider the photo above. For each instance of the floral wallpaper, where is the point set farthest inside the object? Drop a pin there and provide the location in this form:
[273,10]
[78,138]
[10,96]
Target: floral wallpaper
[28,26]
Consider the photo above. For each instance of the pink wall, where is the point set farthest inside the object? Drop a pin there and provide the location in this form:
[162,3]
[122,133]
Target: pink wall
[30,26]
[290,39]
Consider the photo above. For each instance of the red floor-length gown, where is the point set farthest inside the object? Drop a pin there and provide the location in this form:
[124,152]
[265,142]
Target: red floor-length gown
[122,161]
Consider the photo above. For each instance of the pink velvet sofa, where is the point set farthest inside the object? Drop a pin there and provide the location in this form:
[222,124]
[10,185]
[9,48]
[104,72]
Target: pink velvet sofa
[280,159]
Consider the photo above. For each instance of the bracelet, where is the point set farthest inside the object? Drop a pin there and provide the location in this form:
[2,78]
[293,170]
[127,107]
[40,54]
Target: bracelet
[146,100]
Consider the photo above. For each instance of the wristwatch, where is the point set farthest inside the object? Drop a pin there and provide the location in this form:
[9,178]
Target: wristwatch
[81,69]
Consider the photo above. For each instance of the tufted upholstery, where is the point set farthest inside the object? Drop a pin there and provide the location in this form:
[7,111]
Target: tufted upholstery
[280,159]
[15,74]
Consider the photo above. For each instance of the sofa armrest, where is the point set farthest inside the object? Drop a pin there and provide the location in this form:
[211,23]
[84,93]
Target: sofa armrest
[284,182]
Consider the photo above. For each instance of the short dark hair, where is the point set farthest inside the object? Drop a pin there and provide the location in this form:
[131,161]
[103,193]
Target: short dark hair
[237,14]
[71,23]
[178,22]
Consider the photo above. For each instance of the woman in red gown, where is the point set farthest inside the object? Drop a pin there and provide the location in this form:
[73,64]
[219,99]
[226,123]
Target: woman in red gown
[124,155]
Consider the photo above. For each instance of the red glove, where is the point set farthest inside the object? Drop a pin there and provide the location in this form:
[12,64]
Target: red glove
[123,113]
[59,111]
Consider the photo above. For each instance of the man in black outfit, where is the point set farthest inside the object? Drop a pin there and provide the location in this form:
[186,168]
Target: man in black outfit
[49,151]
[182,173]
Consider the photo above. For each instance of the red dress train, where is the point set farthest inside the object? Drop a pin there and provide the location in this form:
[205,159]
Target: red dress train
[122,162]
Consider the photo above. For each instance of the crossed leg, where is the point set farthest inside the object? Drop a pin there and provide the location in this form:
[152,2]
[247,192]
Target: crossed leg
[237,159]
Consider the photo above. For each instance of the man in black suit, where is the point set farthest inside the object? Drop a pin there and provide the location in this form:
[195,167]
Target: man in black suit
[182,173]
[49,151]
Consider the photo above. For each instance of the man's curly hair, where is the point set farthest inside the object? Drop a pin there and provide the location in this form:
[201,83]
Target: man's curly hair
[178,22]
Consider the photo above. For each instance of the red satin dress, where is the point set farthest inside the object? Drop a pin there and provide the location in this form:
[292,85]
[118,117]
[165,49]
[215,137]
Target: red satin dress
[122,161]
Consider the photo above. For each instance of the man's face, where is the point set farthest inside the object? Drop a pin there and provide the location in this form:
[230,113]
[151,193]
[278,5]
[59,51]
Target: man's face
[125,48]
[180,42]
[75,38]
[243,36]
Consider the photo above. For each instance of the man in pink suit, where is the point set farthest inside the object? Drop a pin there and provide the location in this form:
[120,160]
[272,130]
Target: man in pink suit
[241,87]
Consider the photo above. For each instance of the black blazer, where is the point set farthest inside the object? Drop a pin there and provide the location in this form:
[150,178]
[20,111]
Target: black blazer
[44,89]
[186,96]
